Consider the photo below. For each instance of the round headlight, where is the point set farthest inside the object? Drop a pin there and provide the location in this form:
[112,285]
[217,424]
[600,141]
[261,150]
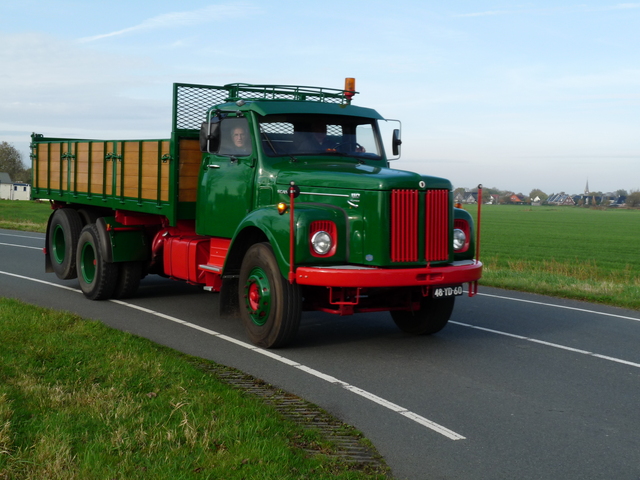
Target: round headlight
[459,239]
[321,242]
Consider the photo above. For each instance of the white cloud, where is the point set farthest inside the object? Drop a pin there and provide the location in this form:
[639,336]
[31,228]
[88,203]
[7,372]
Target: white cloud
[484,14]
[183,19]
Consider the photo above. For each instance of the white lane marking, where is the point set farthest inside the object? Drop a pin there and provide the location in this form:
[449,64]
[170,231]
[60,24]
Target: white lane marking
[21,246]
[559,306]
[328,378]
[21,236]
[40,281]
[549,344]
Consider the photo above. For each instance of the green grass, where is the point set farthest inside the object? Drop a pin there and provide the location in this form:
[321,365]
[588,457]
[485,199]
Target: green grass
[81,401]
[28,216]
[580,253]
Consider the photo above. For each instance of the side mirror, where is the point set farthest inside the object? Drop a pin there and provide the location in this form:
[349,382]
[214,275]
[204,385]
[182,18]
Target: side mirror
[209,136]
[396,142]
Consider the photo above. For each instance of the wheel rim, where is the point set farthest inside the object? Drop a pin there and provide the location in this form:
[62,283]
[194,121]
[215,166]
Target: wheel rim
[258,296]
[88,263]
[58,244]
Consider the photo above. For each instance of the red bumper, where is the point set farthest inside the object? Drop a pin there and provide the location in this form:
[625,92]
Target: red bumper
[363,277]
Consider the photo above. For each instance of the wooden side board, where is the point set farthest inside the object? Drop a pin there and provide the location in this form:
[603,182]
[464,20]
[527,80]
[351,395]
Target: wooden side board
[128,169]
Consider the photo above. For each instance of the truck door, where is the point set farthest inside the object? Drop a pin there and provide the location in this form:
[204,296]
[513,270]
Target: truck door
[226,188]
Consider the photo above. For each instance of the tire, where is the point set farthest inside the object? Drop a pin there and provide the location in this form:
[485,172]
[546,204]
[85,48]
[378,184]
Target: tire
[431,318]
[270,307]
[97,277]
[62,242]
[129,276]
[87,216]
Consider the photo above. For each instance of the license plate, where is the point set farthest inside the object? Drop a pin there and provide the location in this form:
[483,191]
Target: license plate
[442,292]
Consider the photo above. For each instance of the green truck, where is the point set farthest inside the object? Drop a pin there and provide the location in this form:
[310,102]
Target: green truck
[280,198]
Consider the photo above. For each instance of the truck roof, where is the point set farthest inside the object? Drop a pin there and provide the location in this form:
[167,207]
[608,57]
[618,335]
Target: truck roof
[191,103]
[270,107]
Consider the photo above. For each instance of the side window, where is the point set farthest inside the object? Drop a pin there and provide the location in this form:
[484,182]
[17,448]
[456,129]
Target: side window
[365,137]
[234,137]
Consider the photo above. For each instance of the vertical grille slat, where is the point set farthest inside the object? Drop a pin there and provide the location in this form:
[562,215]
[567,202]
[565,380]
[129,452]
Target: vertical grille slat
[405,225]
[436,225]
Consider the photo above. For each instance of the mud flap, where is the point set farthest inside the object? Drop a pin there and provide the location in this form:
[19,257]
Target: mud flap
[229,305]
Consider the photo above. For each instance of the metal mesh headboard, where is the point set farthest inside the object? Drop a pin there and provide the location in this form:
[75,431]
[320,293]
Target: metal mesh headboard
[191,102]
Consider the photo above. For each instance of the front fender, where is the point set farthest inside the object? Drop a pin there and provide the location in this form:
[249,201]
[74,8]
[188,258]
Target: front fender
[275,228]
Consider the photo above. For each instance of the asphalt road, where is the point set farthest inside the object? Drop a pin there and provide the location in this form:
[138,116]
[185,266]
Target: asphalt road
[517,386]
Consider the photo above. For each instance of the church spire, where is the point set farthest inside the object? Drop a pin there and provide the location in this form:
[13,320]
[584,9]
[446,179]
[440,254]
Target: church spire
[586,189]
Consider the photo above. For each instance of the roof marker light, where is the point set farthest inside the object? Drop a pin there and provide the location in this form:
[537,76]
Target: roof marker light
[349,87]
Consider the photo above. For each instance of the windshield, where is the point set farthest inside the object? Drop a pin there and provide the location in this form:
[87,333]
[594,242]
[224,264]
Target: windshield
[303,134]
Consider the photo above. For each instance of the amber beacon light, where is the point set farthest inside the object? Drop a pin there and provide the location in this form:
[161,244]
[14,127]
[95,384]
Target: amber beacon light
[349,87]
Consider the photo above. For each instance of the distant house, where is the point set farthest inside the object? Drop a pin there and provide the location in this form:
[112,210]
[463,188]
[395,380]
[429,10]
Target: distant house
[459,198]
[560,199]
[13,191]
[5,186]
[471,197]
[517,199]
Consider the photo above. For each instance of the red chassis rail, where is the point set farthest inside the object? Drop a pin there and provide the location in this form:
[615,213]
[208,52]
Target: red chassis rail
[365,277]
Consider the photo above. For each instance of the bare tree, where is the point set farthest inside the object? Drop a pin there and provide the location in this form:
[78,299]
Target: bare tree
[633,199]
[11,163]
[536,192]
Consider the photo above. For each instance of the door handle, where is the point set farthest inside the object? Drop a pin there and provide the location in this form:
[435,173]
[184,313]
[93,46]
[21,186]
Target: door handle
[213,166]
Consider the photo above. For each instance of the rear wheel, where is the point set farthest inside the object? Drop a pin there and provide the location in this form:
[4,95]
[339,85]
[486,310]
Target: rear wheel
[270,306]
[129,276]
[64,232]
[431,318]
[88,216]
[97,277]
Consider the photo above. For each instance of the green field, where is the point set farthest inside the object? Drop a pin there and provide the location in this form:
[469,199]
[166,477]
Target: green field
[581,253]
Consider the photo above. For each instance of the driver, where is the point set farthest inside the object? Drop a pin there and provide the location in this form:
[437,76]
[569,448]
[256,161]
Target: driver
[315,141]
[240,141]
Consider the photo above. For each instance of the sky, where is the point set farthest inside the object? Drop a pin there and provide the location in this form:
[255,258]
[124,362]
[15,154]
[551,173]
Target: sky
[512,95]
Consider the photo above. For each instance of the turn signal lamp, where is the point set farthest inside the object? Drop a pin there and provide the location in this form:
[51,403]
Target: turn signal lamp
[349,87]
[282,207]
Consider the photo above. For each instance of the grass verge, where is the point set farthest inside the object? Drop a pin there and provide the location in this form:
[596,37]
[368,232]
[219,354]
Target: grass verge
[81,401]
[29,216]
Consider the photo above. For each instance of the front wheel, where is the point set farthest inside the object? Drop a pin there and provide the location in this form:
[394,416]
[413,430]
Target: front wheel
[270,306]
[432,316]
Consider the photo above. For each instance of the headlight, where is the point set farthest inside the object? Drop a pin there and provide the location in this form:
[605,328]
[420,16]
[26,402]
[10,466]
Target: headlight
[459,239]
[322,242]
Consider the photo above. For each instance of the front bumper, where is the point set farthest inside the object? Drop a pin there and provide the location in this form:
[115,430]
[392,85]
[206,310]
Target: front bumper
[353,276]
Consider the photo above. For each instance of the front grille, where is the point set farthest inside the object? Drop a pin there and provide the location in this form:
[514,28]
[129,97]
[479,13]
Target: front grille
[436,244]
[405,225]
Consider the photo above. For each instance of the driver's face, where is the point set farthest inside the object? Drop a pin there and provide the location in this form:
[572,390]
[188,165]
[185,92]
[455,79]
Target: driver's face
[319,132]
[239,137]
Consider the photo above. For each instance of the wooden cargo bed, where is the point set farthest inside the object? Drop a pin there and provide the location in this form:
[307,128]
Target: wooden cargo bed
[150,176]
